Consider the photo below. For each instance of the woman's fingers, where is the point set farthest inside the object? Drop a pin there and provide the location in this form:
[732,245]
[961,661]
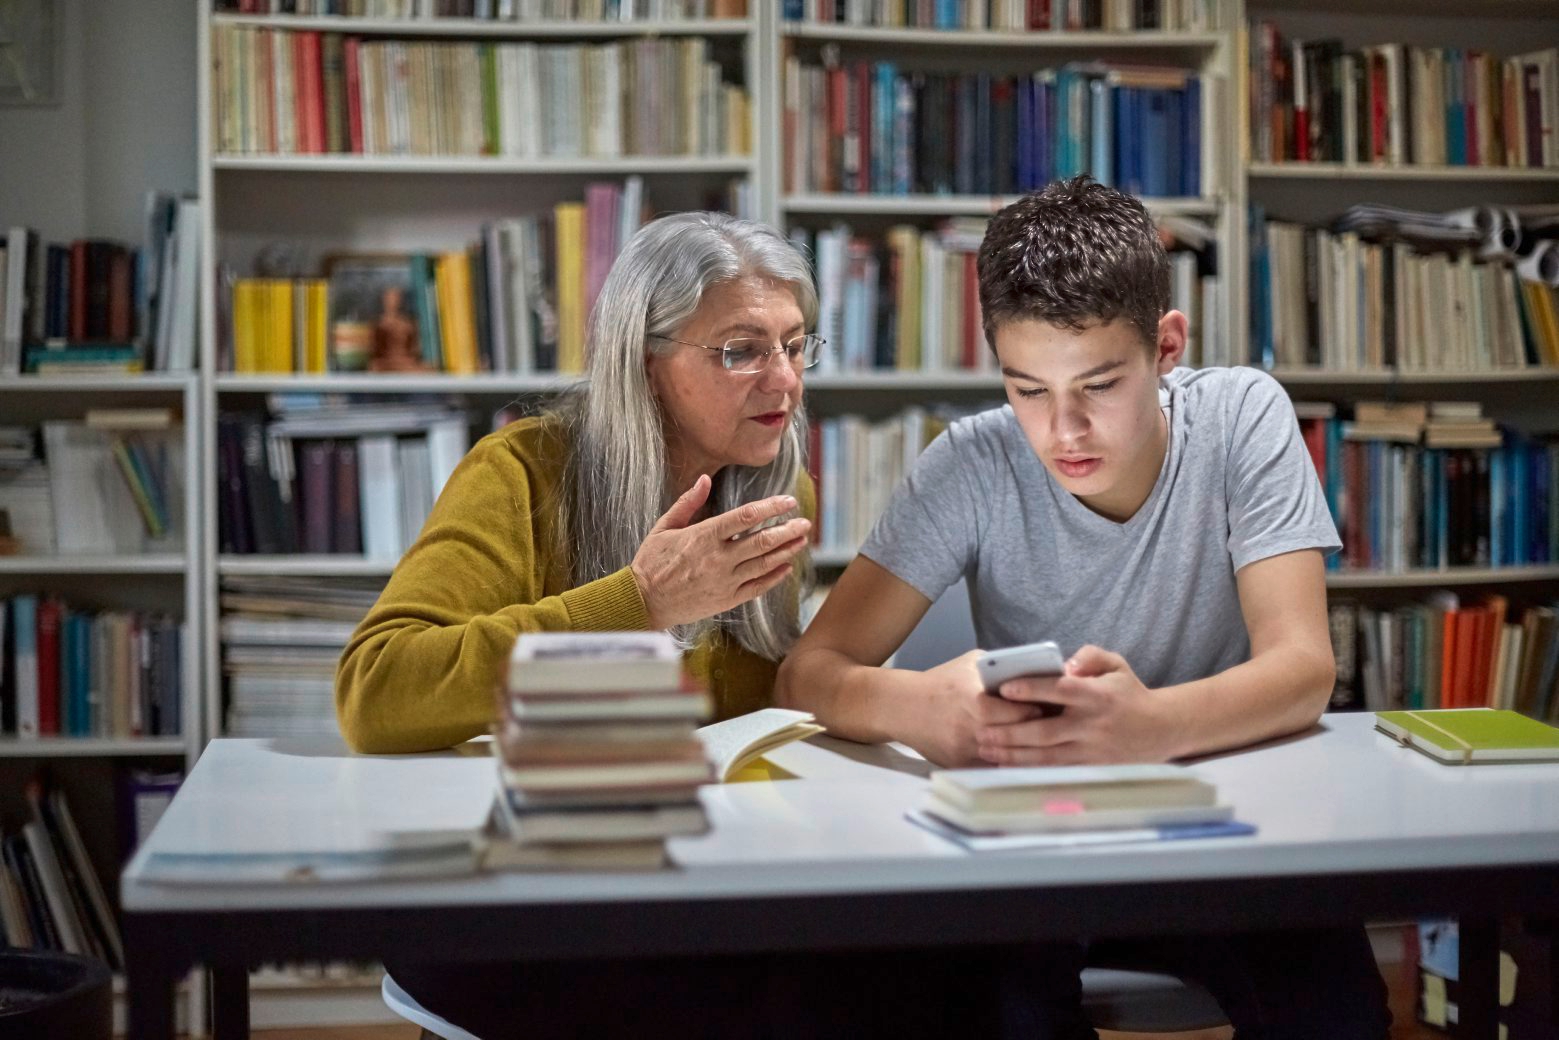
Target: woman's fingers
[749,515]
[758,586]
[782,554]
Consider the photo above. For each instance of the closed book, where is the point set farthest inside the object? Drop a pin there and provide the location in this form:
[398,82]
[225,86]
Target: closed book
[564,661]
[637,706]
[598,775]
[502,854]
[522,799]
[346,526]
[1090,788]
[1471,735]
[1062,815]
[630,823]
[49,619]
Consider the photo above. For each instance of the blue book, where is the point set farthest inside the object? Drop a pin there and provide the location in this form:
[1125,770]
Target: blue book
[1456,112]
[1191,175]
[904,143]
[1101,134]
[1025,141]
[1156,129]
[81,669]
[794,9]
[947,14]
[1543,505]
[1044,130]
[1521,505]
[1442,511]
[1062,134]
[884,103]
[1174,141]
[24,624]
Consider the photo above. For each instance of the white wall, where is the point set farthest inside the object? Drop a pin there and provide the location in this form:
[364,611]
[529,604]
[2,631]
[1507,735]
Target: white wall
[125,123]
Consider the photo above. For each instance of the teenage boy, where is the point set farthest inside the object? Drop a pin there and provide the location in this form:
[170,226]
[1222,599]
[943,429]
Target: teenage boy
[1163,525]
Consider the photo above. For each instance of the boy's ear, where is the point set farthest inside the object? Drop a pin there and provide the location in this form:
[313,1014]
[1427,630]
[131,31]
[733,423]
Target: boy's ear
[1173,329]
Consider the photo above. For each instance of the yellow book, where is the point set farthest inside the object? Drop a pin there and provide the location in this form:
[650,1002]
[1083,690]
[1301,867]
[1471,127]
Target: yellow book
[569,219]
[1545,327]
[460,355]
[246,348]
[278,356]
[316,329]
[905,244]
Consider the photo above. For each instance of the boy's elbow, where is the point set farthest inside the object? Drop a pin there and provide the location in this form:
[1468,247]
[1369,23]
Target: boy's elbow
[785,684]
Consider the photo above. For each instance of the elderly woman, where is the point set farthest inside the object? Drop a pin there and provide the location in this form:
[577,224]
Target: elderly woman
[622,508]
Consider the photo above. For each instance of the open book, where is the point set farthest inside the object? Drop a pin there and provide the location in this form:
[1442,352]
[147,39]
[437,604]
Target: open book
[735,743]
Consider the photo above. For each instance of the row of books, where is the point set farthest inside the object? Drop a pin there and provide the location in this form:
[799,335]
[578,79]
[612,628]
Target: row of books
[1334,300]
[909,300]
[516,300]
[1010,15]
[112,484]
[333,479]
[1447,652]
[95,304]
[281,638]
[1397,104]
[497,10]
[869,127]
[278,91]
[1429,486]
[857,463]
[50,895]
[81,673]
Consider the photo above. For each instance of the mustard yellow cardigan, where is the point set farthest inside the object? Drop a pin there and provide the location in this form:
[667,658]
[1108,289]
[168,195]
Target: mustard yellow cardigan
[420,671]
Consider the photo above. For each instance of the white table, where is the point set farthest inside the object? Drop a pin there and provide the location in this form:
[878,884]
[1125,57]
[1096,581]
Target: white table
[1350,827]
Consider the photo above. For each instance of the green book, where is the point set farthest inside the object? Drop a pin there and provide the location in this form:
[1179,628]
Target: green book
[1460,736]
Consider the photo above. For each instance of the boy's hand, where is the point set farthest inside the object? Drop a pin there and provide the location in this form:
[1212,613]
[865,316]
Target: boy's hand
[953,709]
[1108,715]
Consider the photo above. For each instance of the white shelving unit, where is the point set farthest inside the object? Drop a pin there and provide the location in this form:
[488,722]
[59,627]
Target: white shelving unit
[382,203]
[167,582]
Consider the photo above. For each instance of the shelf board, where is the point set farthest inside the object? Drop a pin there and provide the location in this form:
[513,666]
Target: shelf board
[150,563]
[943,205]
[487,28]
[1436,578]
[1328,377]
[304,565]
[385,383]
[1368,172]
[826,382]
[151,382]
[622,165]
[867,380]
[83,747]
[986,38]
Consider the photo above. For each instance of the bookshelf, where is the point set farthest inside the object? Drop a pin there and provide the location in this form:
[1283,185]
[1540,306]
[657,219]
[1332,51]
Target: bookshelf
[90,770]
[320,203]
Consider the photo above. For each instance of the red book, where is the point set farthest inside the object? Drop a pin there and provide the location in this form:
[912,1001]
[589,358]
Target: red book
[78,289]
[1448,659]
[1039,14]
[354,98]
[1314,433]
[836,129]
[1378,114]
[50,614]
[314,92]
[120,308]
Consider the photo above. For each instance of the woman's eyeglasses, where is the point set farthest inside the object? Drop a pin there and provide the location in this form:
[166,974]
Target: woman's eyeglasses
[751,356]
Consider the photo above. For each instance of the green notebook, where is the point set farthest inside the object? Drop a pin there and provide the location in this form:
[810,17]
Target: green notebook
[1459,736]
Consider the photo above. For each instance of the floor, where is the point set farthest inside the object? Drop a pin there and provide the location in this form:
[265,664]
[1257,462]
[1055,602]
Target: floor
[1399,977]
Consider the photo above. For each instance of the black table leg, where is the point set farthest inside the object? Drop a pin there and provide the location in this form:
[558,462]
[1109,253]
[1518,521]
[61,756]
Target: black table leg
[149,987]
[230,1001]
[1478,983]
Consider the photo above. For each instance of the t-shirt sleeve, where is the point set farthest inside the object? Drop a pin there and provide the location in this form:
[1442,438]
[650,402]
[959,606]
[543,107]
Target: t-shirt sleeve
[927,537]
[1276,504]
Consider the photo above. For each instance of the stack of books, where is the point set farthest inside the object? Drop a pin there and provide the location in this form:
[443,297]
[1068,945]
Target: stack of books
[1007,808]
[598,762]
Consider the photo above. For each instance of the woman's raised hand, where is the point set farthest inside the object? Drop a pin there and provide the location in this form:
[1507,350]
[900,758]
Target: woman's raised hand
[687,572]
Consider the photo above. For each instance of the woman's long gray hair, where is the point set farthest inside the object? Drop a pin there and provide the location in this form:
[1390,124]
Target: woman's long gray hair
[617,482]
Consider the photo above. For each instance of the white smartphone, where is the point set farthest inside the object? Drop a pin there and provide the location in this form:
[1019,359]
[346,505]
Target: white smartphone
[1016,662]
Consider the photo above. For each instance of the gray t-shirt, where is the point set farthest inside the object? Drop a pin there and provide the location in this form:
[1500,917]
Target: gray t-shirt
[1236,486]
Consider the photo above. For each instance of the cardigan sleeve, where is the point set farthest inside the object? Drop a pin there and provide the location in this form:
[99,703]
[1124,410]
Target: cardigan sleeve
[420,671]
